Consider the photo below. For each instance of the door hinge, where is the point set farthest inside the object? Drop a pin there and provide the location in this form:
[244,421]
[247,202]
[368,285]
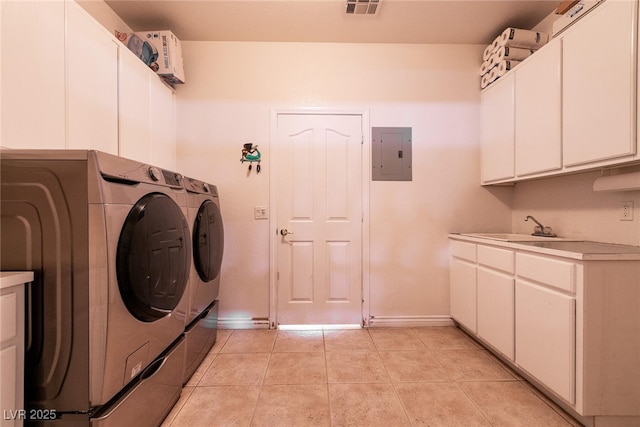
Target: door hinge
[277,275]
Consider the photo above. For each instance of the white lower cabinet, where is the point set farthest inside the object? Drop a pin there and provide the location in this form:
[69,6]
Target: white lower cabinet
[570,325]
[12,346]
[463,284]
[545,337]
[495,298]
[496,310]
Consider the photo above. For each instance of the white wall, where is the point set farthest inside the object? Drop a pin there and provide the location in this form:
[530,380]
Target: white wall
[570,206]
[230,91]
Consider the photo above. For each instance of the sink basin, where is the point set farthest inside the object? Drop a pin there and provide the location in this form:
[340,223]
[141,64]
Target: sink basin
[512,237]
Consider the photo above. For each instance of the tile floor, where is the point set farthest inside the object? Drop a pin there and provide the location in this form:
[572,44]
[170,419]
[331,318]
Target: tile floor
[431,376]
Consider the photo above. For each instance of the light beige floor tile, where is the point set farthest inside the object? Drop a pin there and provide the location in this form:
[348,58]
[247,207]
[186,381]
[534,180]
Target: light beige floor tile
[299,341]
[184,395]
[396,339]
[296,368]
[197,375]
[236,369]
[444,338]
[221,338]
[355,367]
[439,405]
[250,341]
[366,405]
[413,366]
[510,404]
[218,406]
[472,365]
[347,339]
[292,405]
[572,421]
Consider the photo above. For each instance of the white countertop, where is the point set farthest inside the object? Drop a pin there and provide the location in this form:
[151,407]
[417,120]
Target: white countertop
[12,278]
[580,250]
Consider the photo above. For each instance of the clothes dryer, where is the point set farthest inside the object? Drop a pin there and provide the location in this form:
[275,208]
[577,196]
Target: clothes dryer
[110,246]
[207,235]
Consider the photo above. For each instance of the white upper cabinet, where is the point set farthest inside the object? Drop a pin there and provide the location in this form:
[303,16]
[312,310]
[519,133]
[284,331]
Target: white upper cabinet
[33,74]
[92,83]
[497,130]
[538,112]
[575,102]
[162,122]
[599,63]
[133,107]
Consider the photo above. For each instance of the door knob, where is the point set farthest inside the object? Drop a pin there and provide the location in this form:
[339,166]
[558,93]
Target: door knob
[284,232]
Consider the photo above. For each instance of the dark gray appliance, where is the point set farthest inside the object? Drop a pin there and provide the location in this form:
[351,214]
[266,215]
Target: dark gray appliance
[207,234]
[110,246]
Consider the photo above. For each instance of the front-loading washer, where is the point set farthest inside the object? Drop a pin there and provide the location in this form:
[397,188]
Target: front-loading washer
[207,235]
[110,246]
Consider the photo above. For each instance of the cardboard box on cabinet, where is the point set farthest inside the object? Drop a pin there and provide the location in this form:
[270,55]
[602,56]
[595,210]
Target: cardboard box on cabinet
[160,50]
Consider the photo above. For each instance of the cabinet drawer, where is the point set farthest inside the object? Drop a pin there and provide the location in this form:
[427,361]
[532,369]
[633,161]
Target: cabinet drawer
[463,250]
[549,271]
[500,259]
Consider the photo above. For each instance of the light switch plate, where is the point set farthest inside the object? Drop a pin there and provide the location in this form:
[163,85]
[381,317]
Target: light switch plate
[260,212]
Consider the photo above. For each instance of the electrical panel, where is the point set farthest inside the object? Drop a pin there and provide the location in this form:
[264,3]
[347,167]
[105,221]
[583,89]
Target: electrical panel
[391,153]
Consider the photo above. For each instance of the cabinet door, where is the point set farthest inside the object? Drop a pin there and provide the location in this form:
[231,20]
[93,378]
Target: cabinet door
[538,112]
[598,85]
[545,337]
[163,125]
[463,292]
[32,87]
[497,130]
[496,310]
[92,83]
[133,107]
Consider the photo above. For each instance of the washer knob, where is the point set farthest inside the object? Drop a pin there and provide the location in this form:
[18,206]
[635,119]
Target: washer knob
[206,188]
[154,173]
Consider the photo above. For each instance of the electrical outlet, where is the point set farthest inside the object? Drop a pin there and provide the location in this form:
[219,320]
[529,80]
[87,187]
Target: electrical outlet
[626,210]
[260,212]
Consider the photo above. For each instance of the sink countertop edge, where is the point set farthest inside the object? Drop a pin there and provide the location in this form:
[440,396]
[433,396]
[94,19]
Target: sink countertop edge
[584,253]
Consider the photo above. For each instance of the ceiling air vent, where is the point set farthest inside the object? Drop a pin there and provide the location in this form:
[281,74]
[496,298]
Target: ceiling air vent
[362,7]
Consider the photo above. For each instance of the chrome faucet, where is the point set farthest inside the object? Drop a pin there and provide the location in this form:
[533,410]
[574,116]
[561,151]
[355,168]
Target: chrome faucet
[540,230]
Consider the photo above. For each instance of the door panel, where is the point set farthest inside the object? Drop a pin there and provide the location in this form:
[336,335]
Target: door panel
[320,203]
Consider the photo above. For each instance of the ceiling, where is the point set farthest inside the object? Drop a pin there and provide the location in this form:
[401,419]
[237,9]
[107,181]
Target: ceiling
[397,21]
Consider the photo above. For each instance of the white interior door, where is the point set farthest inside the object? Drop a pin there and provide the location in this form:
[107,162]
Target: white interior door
[319,203]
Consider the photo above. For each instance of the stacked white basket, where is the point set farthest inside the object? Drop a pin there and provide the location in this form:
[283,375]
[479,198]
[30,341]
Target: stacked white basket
[507,50]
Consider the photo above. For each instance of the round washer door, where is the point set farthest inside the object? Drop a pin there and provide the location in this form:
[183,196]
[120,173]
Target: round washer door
[153,257]
[208,241]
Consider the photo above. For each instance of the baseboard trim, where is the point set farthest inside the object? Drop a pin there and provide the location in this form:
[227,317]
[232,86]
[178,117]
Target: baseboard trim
[248,323]
[374,322]
[409,321]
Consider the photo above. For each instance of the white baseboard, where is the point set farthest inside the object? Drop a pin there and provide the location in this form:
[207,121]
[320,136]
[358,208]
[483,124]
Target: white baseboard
[374,322]
[248,323]
[409,321]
